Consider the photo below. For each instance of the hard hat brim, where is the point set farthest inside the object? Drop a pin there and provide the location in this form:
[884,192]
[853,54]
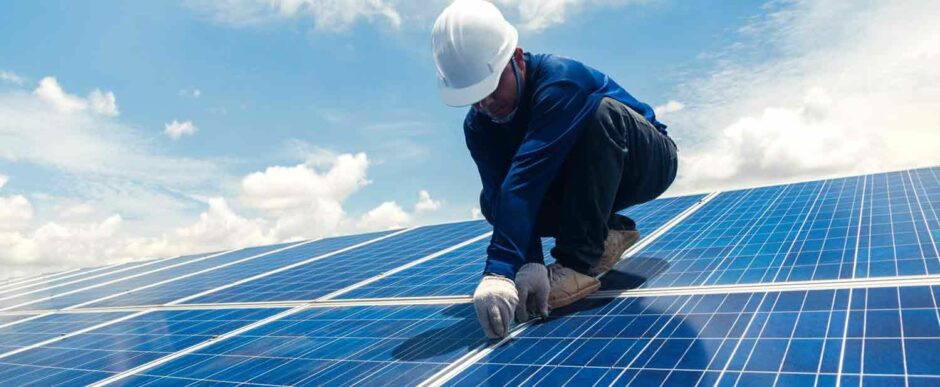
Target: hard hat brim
[471,94]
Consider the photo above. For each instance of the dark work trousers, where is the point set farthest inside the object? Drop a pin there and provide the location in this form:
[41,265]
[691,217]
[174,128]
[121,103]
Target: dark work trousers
[619,161]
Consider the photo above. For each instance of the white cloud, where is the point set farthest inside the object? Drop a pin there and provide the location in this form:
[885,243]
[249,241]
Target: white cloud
[11,77]
[54,246]
[87,143]
[103,103]
[98,101]
[76,211]
[671,106]
[528,15]
[17,251]
[387,215]
[306,200]
[326,14]
[476,213]
[177,129]
[117,178]
[278,204]
[50,91]
[425,203]
[16,212]
[863,98]
[110,169]
[3,180]
[218,228]
[537,15]
[287,188]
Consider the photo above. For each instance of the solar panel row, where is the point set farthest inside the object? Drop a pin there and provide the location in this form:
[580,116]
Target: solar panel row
[883,335]
[319,278]
[858,227]
[171,280]
[457,273]
[794,337]
[121,273]
[97,354]
[869,226]
[10,283]
[202,282]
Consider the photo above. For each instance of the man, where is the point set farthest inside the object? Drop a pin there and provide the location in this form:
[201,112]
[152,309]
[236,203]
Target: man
[560,148]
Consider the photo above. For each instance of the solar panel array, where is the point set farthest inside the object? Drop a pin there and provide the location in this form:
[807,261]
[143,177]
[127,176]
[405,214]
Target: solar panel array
[831,282]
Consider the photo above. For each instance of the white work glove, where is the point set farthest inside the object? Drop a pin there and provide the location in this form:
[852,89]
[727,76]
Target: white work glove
[532,286]
[494,300]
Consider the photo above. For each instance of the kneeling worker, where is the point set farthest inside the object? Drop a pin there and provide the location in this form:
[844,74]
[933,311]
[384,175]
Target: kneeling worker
[560,148]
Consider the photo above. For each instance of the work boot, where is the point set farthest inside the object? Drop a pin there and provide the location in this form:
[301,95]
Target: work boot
[568,286]
[616,243]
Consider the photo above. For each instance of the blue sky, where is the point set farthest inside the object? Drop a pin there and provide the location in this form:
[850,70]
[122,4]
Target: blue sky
[314,119]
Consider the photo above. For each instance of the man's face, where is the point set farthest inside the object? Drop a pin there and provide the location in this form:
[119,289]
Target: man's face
[501,101]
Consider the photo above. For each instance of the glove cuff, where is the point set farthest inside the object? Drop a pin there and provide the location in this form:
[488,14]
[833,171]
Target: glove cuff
[532,268]
[490,277]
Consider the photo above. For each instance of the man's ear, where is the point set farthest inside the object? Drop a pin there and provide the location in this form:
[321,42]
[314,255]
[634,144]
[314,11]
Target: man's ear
[519,58]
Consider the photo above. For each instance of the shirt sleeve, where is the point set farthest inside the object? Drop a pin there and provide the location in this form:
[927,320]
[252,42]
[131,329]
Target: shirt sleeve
[489,152]
[549,137]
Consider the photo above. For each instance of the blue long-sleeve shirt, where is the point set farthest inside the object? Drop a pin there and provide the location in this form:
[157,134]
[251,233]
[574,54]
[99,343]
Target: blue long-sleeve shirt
[518,160]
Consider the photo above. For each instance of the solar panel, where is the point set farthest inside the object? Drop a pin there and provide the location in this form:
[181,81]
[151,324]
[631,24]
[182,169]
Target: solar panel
[12,283]
[40,292]
[39,283]
[37,328]
[206,281]
[804,231]
[354,345]
[120,286]
[458,272]
[97,354]
[824,282]
[319,278]
[791,338]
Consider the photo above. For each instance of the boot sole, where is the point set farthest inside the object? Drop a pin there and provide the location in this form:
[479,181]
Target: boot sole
[558,303]
[601,270]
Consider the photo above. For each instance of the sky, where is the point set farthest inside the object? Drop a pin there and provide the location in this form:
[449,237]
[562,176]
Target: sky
[135,130]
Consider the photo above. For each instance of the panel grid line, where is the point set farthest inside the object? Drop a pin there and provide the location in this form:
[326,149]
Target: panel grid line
[21,282]
[51,279]
[44,343]
[187,275]
[121,270]
[724,369]
[285,268]
[458,366]
[795,236]
[279,316]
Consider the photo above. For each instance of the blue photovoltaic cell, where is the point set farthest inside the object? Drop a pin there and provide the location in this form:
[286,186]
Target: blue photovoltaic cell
[81,275]
[144,280]
[791,338]
[43,328]
[13,283]
[900,226]
[458,272]
[43,291]
[100,353]
[193,285]
[8,318]
[319,278]
[803,231]
[374,345]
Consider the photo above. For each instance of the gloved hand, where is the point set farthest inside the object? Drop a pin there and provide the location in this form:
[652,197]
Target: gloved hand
[533,286]
[494,301]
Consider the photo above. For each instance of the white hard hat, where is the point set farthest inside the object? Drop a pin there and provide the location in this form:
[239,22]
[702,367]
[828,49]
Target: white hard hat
[472,44]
